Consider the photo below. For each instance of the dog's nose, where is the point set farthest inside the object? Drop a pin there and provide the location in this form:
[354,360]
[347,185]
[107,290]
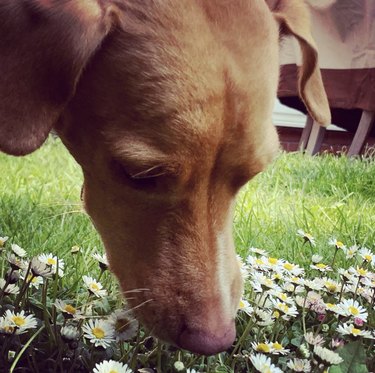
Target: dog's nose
[205,342]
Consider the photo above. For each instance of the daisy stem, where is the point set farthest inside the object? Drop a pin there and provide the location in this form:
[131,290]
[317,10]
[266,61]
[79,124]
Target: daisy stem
[23,289]
[334,257]
[51,335]
[240,340]
[158,370]
[24,348]
[304,314]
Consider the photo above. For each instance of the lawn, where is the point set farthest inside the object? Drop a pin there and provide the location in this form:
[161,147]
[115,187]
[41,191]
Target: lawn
[327,197]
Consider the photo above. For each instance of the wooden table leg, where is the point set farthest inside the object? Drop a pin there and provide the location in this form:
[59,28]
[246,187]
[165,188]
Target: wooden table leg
[316,138]
[305,133]
[364,128]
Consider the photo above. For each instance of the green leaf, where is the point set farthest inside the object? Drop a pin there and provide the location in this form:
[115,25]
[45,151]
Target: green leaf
[354,356]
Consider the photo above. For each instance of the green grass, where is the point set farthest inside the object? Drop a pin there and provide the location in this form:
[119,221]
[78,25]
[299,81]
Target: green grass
[40,210]
[326,195]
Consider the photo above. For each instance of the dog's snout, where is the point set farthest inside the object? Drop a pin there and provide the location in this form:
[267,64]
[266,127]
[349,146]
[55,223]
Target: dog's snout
[207,342]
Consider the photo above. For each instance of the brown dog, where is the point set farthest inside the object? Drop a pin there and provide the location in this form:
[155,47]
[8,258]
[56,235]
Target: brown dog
[166,105]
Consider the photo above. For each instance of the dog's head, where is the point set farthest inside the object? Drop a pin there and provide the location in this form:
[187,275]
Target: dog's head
[167,107]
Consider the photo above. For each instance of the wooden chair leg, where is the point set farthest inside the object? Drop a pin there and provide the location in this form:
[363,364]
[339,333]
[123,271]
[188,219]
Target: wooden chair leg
[305,133]
[316,138]
[364,128]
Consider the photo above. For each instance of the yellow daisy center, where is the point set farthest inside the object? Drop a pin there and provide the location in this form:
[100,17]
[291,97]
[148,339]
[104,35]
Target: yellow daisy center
[331,286]
[321,265]
[273,260]
[9,329]
[368,257]
[362,271]
[259,262]
[70,309]
[339,244]
[94,287]
[241,305]
[355,331]
[277,276]
[113,371]
[330,305]
[268,282]
[283,307]
[308,236]
[276,314]
[19,320]
[277,346]
[98,333]
[353,310]
[263,347]
[51,261]
[288,266]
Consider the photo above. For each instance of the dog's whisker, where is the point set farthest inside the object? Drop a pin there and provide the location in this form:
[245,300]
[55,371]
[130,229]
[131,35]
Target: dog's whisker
[141,304]
[136,290]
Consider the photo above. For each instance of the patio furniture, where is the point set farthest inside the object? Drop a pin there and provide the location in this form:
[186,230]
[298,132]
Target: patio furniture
[345,34]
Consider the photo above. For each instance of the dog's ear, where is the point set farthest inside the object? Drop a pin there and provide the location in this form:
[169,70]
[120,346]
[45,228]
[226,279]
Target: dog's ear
[294,19]
[44,46]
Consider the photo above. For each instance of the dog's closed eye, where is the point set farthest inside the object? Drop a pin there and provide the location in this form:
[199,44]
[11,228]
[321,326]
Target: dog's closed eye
[149,179]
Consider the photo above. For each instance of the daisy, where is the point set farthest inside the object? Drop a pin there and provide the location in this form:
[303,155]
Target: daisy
[35,281]
[314,340]
[367,255]
[316,258]
[315,284]
[16,263]
[299,365]
[321,267]
[264,347]
[263,317]
[337,244]
[244,306]
[350,329]
[258,251]
[94,287]
[67,309]
[69,333]
[111,366]
[40,269]
[54,262]
[287,311]
[306,236]
[6,326]
[99,332]
[351,251]
[75,249]
[331,285]
[124,324]
[263,364]
[278,349]
[313,301]
[9,288]
[260,283]
[179,366]
[102,260]
[332,307]
[292,269]
[20,321]
[3,240]
[359,271]
[19,251]
[327,355]
[350,307]
[295,280]
[282,296]
[274,264]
